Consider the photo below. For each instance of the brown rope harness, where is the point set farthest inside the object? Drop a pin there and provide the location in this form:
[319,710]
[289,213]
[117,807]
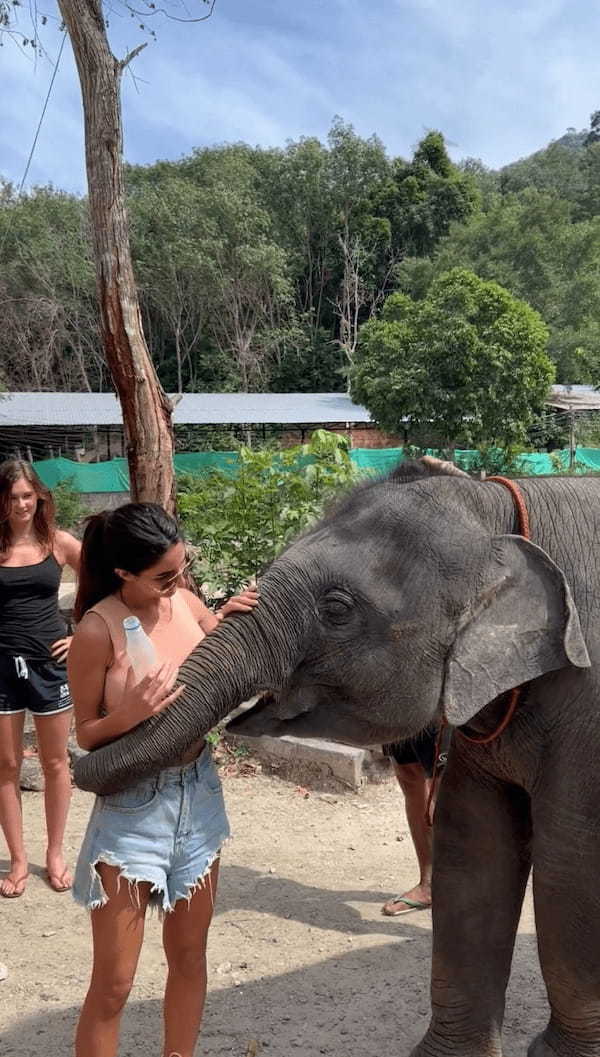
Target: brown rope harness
[515,694]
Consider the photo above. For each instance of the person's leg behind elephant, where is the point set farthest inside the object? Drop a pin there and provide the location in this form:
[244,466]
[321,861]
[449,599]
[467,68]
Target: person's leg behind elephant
[415,762]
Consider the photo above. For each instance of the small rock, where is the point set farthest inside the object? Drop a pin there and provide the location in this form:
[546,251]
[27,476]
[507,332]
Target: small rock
[46,935]
[32,776]
[3,972]
[351,847]
[224,968]
[328,798]
[271,869]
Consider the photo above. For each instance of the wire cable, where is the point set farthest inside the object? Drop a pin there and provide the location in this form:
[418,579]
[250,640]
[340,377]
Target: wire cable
[36,136]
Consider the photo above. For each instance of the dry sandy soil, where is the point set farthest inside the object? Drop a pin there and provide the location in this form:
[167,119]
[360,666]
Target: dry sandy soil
[300,958]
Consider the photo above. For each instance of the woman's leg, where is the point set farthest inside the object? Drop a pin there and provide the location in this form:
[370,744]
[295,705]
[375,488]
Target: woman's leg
[185,932]
[118,931]
[52,737]
[11,817]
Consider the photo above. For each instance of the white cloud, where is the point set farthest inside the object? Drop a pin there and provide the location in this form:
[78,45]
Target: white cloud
[499,79]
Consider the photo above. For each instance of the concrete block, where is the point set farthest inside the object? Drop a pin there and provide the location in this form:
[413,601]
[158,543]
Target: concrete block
[311,758]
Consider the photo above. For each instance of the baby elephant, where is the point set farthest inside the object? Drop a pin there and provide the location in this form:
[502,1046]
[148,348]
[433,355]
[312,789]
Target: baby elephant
[418,599]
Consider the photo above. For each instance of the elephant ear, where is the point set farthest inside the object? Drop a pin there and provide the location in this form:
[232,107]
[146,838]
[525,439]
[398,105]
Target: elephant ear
[523,624]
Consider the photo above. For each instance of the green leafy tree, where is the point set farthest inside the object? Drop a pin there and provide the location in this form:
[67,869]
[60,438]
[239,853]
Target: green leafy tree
[555,169]
[211,268]
[425,196]
[467,365]
[530,244]
[50,326]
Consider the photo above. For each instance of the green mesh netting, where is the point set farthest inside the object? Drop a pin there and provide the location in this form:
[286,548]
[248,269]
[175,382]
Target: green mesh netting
[113,476]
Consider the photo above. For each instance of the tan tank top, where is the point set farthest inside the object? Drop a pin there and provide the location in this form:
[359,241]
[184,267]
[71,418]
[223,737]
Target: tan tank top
[173,640]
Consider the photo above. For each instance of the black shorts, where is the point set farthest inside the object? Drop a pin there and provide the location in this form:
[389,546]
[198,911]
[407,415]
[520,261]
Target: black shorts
[420,749]
[40,686]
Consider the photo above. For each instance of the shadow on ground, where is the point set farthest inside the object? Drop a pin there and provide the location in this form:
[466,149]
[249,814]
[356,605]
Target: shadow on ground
[370,1002]
[243,889]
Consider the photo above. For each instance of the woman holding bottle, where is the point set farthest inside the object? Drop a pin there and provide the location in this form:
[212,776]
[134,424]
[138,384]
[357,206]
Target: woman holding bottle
[33,678]
[157,844]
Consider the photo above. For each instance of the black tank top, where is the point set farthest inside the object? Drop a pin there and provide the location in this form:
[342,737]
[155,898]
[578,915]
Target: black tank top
[30,619]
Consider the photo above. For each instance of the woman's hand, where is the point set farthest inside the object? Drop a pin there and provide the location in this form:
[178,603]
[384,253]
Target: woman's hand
[242,603]
[151,695]
[60,649]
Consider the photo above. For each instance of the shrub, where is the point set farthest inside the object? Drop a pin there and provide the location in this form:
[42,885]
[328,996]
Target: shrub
[70,508]
[240,523]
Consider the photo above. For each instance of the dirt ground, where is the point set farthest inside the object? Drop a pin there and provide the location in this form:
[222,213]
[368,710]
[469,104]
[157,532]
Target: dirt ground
[300,957]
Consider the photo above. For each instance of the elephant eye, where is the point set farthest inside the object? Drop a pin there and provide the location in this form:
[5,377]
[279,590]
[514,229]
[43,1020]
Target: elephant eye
[337,609]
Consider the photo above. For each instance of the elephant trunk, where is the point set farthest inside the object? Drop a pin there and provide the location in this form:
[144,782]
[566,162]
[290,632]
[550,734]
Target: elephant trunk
[246,654]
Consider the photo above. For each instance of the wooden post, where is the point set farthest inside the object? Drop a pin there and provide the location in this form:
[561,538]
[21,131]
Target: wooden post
[572,439]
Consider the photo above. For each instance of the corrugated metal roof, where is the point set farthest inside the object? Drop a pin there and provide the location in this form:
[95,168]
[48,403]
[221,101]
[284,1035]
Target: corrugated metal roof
[59,409]
[210,409]
[214,409]
[290,408]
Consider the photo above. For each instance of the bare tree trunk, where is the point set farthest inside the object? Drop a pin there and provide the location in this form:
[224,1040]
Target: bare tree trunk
[146,408]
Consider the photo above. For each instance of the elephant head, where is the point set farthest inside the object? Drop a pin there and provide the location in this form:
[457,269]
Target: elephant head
[404,603]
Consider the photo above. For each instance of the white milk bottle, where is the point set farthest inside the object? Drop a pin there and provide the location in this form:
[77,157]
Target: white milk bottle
[140,650]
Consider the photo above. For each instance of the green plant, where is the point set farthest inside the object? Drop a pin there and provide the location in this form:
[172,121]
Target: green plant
[561,468]
[70,509]
[503,462]
[240,523]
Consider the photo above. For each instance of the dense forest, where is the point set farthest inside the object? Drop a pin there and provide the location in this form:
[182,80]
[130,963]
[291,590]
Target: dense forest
[257,267]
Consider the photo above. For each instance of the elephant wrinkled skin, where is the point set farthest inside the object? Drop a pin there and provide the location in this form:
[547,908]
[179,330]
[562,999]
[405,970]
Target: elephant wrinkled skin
[414,598]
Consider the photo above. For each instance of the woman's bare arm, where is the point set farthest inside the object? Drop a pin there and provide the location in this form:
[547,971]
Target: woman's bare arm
[67,550]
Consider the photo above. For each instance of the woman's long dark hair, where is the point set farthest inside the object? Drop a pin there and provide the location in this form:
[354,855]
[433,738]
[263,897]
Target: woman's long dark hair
[44,525]
[132,537]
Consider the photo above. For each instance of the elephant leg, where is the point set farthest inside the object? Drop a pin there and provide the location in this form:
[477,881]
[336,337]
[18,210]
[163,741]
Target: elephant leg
[481,861]
[566,883]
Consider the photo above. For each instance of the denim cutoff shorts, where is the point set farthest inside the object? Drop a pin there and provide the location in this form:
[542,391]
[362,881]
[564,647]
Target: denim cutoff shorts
[168,830]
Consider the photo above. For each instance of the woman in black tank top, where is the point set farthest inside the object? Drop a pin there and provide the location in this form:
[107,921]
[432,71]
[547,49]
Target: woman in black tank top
[33,650]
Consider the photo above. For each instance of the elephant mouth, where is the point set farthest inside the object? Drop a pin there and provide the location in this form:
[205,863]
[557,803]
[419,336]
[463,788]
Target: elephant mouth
[306,717]
[264,716]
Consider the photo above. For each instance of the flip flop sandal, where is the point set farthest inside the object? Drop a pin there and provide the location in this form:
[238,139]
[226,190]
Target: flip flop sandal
[20,882]
[410,905]
[57,881]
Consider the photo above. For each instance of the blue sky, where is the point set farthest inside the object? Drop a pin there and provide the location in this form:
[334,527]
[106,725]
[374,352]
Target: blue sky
[499,78]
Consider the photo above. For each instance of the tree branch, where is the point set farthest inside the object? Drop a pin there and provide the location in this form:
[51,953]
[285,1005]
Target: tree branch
[151,10]
[123,63]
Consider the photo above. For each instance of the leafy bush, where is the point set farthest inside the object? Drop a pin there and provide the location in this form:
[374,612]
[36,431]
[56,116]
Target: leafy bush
[503,462]
[239,524]
[70,509]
